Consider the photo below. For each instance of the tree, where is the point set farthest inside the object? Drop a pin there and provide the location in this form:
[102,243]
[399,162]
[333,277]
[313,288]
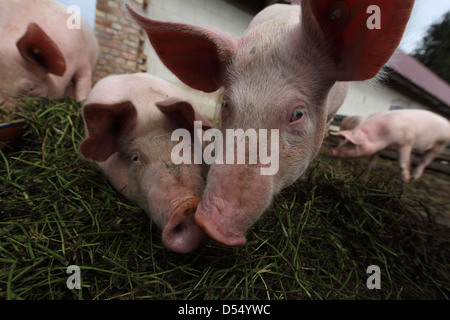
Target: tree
[434,52]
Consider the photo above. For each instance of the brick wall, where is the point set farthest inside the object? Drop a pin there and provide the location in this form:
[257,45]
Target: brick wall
[121,41]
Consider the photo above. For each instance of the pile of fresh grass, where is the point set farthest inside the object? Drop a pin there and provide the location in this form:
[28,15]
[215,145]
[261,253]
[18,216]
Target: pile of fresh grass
[315,242]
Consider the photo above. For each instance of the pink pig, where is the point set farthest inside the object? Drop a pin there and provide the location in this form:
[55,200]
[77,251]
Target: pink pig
[129,120]
[282,74]
[40,55]
[404,131]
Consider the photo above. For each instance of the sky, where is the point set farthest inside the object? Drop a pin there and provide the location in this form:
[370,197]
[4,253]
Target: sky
[87,8]
[425,13]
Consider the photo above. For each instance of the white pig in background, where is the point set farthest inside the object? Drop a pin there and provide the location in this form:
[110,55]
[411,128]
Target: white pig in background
[40,55]
[404,131]
[282,74]
[129,120]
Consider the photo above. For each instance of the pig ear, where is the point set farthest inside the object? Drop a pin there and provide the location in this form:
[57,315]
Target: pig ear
[355,137]
[196,55]
[105,124]
[37,47]
[182,113]
[362,35]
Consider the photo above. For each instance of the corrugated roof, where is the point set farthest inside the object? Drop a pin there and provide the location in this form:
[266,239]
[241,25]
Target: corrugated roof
[416,72]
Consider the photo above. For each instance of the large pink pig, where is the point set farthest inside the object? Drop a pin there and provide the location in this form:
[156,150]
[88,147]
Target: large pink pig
[129,121]
[282,75]
[404,131]
[40,55]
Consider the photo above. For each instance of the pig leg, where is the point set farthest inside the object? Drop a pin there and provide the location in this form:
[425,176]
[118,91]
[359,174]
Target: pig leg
[426,159]
[373,159]
[404,161]
[82,82]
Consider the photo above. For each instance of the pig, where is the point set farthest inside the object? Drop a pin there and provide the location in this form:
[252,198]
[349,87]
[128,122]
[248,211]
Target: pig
[290,72]
[351,122]
[129,120]
[40,56]
[404,131]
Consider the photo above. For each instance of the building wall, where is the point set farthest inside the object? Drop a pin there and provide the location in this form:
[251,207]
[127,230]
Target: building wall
[120,39]
[366,98]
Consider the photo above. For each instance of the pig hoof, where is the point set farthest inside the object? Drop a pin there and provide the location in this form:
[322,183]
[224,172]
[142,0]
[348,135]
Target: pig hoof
[181,234]
[216,233]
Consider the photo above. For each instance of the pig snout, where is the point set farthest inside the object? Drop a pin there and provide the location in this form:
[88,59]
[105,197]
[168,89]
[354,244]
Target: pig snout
[217,229]
[334,152]
[236,196]
[181,233]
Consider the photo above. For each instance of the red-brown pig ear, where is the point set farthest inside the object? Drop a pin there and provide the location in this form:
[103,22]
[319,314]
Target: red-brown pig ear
[196,55]
[36,46]
[105,124]
[182,113]
[361,35]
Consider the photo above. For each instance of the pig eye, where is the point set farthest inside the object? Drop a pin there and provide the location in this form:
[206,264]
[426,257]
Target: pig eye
[297,115]
[225,109]
[29,89]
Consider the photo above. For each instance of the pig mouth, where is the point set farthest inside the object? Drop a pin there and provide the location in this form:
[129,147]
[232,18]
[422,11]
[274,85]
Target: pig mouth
[181,233]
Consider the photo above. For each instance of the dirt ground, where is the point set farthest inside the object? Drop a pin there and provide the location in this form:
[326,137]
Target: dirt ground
[430,194]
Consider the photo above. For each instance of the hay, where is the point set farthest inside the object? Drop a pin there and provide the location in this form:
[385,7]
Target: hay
[315,242]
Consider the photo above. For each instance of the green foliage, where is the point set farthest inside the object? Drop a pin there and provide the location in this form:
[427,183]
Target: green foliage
[434,51]
[315,242]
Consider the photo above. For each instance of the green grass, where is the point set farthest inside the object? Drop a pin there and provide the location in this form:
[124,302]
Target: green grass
[315,242]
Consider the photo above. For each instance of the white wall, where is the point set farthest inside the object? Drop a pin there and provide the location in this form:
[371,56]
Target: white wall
[217,13]
[366,98]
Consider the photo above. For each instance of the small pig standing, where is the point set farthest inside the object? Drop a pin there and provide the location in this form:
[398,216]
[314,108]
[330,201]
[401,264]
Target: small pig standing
[40,55]
[288,72]
[129,120]
[404,131]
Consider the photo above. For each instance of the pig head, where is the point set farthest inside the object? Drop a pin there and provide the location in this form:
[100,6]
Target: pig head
[129,121]
[287,72]
[40,56]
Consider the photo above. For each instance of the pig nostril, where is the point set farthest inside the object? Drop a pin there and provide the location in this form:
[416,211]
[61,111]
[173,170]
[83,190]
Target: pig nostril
[179,228]
[180,233]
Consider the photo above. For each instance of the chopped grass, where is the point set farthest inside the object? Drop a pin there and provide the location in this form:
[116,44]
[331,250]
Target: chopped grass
[315,242]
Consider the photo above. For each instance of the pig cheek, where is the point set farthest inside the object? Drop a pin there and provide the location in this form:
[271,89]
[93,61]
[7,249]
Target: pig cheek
[143,190]
[298,149]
